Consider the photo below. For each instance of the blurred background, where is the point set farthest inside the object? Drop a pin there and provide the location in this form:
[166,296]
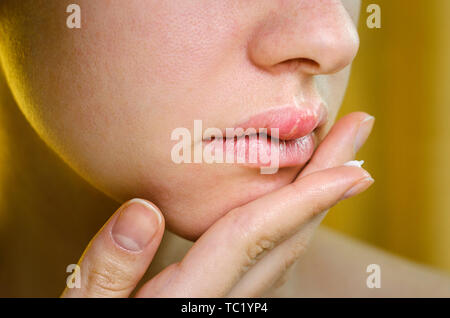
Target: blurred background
[402,77]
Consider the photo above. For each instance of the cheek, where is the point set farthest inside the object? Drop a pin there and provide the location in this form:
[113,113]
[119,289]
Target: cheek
[116,84]
[152,66]
[332,88]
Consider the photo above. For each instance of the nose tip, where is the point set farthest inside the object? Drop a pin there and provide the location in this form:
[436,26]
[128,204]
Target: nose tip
[333,51]
[313,39]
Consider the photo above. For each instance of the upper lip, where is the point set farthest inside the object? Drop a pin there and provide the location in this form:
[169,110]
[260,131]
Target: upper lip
[293,121]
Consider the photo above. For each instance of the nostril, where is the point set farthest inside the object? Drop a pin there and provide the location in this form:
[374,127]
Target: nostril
[309,62]
[308,65]
[304,64]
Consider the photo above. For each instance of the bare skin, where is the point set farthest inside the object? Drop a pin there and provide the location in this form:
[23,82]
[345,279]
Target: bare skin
[106,102]
[327,269]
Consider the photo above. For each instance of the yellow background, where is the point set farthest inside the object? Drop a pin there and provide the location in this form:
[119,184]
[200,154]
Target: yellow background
[402,77]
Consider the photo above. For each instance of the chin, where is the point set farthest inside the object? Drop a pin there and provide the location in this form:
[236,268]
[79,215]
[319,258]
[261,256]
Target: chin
[199,210]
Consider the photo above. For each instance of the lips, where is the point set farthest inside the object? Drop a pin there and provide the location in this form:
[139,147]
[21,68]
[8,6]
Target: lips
[292,122]
[287,132]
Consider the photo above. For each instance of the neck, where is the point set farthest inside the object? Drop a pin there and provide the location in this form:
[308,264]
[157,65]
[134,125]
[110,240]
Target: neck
[48,213]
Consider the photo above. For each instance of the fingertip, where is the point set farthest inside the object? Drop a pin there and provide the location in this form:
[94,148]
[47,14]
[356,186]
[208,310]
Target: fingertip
[362,179]
[359,187]
[363,133]
[136,225]
[356,167]
[342,142]
[150,206]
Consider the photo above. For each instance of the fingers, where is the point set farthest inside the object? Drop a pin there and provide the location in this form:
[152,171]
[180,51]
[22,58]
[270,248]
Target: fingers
[118,256]
[232,245]
[227,250]
[342,143]
[340,146]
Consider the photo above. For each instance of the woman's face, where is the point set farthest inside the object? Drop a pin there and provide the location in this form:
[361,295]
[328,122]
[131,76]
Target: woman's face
[107,97]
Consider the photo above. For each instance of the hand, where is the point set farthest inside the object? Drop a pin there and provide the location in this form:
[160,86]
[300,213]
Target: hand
[246,251]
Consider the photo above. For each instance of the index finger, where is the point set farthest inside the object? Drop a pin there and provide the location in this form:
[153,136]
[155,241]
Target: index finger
[232,245]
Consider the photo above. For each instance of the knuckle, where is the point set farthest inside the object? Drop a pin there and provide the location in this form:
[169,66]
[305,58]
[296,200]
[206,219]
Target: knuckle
[289,260]
[256,251]
[294,253]
[295,248]
[107,280]
[280,281]
[283,278]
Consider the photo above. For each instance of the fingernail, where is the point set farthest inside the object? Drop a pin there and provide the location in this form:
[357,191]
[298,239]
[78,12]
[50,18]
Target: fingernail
[359,187]
[365,127]
[136,225]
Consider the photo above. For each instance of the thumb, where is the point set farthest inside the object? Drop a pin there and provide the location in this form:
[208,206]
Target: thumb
[118,256]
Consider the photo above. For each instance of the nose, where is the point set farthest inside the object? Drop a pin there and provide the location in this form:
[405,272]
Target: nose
[313,37]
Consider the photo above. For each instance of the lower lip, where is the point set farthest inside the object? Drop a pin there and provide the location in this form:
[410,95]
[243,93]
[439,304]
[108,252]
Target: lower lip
[256,151]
